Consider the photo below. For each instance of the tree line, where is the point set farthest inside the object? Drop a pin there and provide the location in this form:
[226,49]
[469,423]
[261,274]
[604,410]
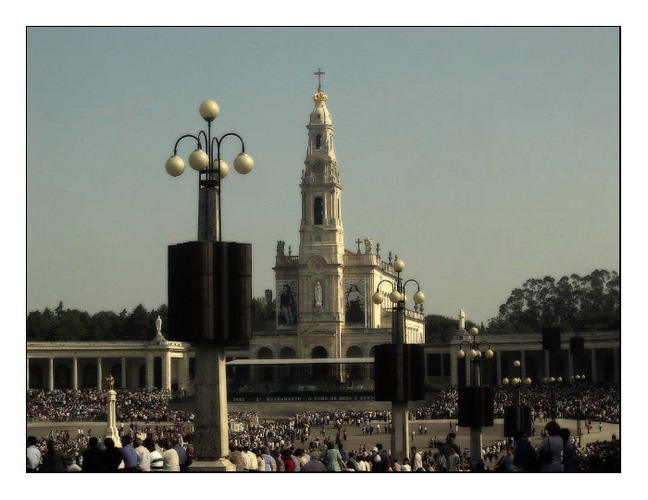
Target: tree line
[573,303]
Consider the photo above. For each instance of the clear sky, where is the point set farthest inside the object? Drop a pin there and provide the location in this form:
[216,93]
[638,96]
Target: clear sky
[481,156]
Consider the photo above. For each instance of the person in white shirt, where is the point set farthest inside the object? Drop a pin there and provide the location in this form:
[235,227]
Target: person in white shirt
[157,460]
[33,454]
[143,456]
[417,461]
[171,460]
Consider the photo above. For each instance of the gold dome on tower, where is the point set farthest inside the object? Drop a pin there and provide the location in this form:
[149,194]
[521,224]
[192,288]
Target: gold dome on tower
[320,98]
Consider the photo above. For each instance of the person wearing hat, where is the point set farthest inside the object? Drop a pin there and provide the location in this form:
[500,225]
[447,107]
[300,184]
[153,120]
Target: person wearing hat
[379,459]
[314,464]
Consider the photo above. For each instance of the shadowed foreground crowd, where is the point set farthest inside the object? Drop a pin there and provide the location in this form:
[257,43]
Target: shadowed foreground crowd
[153,438]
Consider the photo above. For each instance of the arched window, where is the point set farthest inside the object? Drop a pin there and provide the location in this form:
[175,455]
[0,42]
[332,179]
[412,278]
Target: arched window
[35,376]
[62,377]
[318,141]
[320,372]
[89,376]
[318,211]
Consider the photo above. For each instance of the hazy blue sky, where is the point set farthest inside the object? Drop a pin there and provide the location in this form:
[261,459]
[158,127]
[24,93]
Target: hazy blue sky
[481,156]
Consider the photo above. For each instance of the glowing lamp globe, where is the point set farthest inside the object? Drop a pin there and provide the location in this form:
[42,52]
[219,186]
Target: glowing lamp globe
[243,163]
[175,166]
[198,160]
[224,168]
[209,110]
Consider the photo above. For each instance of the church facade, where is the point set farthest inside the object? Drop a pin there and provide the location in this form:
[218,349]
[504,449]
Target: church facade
[323,295]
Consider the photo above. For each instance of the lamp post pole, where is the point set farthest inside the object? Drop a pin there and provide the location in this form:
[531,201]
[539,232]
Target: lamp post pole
[475,381]
[579,379]
[400,439]
[517,417]
[210,424]
[552,381]
[517,382]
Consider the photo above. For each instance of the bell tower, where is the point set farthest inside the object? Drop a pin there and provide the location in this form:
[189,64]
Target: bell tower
[321,230]
[321,237]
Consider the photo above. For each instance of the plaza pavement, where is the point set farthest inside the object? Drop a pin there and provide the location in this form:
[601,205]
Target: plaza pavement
[355,438]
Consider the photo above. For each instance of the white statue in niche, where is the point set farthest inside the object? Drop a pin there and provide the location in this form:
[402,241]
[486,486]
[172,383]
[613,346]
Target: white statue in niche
[318,294]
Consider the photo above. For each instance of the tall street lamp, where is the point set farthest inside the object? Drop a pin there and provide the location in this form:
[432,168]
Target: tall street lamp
[210,288]
[475,401]
[399,366]
[212,169]
[551,343]
[578,380]
[576,349]
[551,382]
[517,417]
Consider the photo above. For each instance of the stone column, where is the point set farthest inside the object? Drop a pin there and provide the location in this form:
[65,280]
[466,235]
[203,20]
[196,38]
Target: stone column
[400,431]
[150,365]
[523,372]
[27,374]
[183,376]
[51,374]
[498,367]
[210,425]
[123,373]
[75,374]
[454,368]
[595,377]
[99,374]
[166,370]
[111,429]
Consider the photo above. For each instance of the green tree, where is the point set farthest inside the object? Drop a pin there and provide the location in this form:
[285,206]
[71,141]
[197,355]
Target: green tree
[574,303]
[103,325]
[40,325]
[440,329]
[262,314]
[73,325]
[139,324]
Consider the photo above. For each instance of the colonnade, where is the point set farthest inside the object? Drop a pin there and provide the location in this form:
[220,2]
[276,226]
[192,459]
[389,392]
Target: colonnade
[139,365]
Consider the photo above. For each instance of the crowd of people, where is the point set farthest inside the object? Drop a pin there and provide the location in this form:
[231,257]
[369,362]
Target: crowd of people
[89,405]
[599,402]
[163,439]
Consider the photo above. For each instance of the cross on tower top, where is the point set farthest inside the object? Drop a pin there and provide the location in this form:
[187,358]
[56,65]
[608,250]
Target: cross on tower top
[319,74]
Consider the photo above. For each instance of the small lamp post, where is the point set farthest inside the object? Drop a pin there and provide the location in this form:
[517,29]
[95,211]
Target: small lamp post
[475,401]
[517,417]
[551,381]
[516,382]
[578,380]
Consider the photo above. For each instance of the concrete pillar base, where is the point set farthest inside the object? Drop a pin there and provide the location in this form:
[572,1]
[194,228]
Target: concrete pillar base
[220,465]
